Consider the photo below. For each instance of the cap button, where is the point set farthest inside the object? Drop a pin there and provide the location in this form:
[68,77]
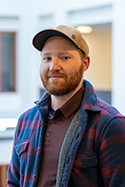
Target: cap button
[73,36]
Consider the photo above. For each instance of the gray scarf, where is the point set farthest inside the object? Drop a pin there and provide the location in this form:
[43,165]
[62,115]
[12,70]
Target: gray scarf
[66,145]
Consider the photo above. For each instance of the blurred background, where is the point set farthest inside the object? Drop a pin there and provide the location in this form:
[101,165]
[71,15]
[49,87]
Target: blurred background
[20,83]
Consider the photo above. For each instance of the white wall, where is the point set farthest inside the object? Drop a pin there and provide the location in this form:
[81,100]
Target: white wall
[100,70]
[6,151]
[118,56]
[29,17]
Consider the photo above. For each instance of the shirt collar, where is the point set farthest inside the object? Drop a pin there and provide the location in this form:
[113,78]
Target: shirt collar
[89,101]
[72,104]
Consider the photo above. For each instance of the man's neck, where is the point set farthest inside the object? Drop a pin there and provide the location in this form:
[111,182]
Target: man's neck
[58,101]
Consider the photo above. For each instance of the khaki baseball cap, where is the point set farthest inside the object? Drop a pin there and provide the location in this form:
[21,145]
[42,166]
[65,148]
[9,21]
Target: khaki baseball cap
[62,30]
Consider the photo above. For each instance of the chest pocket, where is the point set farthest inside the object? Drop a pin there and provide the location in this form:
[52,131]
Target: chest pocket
[22,153]
[85,170]
[21,147]
[85,160]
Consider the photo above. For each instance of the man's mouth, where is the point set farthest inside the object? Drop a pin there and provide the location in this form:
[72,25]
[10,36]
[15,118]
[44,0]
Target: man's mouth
[54,77]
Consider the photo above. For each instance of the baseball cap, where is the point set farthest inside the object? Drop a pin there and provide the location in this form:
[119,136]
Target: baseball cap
[70,33]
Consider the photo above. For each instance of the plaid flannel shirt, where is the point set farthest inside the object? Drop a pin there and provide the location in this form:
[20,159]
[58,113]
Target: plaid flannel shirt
[96,155]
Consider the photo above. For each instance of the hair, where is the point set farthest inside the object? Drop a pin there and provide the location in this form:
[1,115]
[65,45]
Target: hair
[82,55]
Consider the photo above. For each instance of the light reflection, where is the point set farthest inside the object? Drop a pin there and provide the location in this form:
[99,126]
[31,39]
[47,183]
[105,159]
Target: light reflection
[7,123]
[84,29]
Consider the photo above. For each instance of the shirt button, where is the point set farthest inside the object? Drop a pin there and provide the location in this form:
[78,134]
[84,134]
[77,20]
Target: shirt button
[34,176]
[38,149]
[48,134]
[51,121]
[41,124]
[80,164]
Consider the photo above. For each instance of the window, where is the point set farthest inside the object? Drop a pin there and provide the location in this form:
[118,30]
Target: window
[7,61]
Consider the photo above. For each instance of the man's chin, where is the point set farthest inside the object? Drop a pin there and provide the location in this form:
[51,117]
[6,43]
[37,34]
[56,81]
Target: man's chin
[57,91]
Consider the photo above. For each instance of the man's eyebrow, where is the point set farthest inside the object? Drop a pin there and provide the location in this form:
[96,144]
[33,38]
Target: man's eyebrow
[60,53]
[65,53]
[42,54]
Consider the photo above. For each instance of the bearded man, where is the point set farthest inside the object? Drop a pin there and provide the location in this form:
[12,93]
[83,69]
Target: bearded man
[70,138]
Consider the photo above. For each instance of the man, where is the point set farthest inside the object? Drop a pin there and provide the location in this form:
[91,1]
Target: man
[70,138]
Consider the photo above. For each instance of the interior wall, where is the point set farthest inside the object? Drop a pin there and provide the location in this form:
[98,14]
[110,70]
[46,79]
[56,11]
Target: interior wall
[99,72]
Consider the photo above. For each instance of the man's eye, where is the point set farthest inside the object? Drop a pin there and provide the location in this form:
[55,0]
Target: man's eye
[65,57]
[47,58]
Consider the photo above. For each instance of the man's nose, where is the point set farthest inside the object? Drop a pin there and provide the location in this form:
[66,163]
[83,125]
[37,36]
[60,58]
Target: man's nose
[55,64]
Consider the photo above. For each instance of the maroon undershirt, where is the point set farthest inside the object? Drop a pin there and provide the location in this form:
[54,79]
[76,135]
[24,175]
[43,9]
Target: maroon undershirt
[57,125]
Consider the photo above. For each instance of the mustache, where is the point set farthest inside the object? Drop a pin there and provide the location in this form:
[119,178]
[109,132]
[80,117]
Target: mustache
[55,74]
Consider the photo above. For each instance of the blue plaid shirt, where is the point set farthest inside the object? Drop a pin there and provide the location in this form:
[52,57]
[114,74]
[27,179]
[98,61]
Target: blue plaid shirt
[98,159]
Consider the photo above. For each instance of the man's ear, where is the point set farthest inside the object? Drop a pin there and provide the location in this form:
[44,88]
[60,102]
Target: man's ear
[86,62]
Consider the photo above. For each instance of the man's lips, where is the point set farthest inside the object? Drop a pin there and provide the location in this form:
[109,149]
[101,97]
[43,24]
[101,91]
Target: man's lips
[53,77]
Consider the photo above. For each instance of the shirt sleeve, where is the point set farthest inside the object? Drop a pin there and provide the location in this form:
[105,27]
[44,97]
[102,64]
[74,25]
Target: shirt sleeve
[13,176]
[112,153]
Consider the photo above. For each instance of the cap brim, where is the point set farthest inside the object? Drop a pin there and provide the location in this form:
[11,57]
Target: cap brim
[40,38]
